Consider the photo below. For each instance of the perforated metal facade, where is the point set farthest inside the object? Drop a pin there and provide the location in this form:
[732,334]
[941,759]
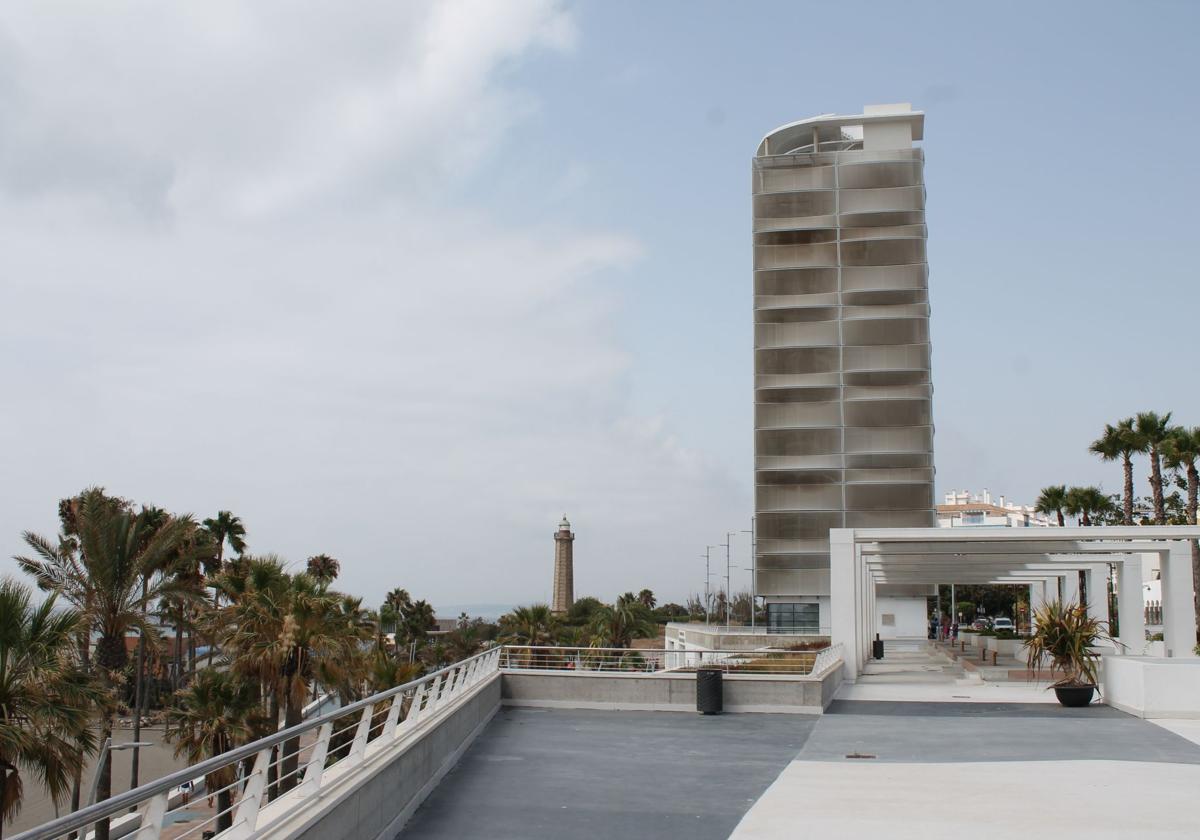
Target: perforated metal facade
[843,427]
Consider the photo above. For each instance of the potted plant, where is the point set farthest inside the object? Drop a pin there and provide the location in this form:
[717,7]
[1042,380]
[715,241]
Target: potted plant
[1064,634]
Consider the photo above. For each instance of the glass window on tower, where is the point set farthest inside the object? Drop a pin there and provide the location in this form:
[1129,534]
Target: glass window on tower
[793,618]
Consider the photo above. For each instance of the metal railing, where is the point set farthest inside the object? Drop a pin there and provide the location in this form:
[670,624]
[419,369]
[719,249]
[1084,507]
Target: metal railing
[746,629]
[337,740]
[657,660]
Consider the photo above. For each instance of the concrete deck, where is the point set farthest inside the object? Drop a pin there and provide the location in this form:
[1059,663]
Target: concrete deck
[1048,771]
[582,773]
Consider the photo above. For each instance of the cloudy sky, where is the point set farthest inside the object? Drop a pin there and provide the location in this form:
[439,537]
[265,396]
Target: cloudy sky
[405,282]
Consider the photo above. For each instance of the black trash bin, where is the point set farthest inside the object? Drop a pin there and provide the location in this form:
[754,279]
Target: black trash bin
[877,647]
[710,696]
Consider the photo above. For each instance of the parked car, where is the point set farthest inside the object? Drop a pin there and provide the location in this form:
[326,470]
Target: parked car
[980,624]
[1001,624]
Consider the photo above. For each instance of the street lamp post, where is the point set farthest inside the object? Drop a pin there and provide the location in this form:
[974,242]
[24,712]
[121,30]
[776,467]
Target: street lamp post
[106,752]
[753,570]
[728,569]
[707,574]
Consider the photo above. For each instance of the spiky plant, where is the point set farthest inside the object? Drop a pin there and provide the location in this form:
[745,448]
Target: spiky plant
[1065,634]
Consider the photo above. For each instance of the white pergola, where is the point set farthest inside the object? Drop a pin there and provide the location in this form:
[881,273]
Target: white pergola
[1046,559]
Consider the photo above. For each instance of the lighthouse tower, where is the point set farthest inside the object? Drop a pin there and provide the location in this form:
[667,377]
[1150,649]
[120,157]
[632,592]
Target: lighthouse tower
[564,568]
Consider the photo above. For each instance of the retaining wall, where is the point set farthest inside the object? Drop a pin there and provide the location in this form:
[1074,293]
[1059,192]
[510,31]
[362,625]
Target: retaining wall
[668,692]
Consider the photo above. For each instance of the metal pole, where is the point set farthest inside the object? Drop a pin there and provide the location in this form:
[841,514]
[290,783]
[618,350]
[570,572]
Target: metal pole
[728,569]
[707,575]
[753,570]
[953,606]
[104,752]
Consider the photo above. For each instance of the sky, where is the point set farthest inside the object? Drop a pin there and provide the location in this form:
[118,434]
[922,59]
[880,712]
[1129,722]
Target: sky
[404,283]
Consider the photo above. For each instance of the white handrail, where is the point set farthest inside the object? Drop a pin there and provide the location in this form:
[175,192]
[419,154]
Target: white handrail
[424,698]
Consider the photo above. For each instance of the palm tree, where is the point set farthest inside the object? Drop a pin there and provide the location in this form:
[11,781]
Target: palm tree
[1052,499]
[283,628]
[417,622]
[1120,441]
[646,599]
[118,551]
[1181,451]
[216,713]
[323,568]
[224,528]
[397,603]
[618,625]
[1085,502]
[46,698]
[532,626]
[1152,432]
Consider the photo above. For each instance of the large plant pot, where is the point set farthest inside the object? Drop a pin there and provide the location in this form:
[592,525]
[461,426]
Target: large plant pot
[1074,696]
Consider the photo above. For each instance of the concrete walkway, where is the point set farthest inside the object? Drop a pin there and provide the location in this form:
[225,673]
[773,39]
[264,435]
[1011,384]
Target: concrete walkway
[1037,768]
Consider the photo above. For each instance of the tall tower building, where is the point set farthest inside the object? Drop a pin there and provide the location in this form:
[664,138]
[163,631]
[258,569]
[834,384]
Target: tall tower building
[843,428]
[564,568]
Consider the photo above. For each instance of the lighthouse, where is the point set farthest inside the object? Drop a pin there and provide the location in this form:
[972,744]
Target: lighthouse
[564,568]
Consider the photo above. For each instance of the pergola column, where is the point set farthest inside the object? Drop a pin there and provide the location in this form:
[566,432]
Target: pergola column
[844,599]
[1178,593]
[1070,587]
[1131,606]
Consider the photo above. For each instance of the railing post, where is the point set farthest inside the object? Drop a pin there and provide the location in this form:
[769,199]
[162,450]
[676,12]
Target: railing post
[245,818]
[415,713]
[393,718]
[359,748]
[153,811]
[316,762]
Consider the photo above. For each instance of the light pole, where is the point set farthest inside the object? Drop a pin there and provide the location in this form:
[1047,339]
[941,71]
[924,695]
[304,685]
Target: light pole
[753,570]
[707,597]
[106,752]
[728,569]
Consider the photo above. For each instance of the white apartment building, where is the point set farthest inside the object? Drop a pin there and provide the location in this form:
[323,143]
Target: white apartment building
[963,509]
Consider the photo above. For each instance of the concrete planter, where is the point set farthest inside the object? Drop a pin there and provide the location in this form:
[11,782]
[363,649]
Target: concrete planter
[972,639]
[1006,647]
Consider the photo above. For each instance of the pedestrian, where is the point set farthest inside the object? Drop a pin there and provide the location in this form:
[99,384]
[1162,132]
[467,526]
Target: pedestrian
[954,632]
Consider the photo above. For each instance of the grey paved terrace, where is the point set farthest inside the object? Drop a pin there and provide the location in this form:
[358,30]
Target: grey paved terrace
[950,732]
[589,774]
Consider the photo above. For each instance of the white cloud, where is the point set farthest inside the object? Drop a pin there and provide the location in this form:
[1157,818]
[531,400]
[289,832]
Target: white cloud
[231,278]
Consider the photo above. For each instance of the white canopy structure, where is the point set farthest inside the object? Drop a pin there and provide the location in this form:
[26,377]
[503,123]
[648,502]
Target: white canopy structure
[1048,560]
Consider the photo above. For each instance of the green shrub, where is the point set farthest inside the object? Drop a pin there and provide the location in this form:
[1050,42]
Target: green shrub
[988,632]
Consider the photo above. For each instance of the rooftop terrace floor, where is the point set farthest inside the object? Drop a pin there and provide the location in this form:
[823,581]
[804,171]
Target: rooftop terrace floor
[568,773]
[1012,767]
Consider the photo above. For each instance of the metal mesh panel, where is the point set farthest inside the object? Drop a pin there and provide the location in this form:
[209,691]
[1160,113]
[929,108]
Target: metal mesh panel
[843,419]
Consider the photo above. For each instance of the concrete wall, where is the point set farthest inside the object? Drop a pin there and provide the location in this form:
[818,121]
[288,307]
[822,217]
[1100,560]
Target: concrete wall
[376,801]
[1152,688]
[909,614]
[668,692]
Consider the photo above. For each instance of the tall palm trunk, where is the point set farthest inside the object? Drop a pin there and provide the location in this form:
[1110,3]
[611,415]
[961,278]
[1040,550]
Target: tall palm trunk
[1061,520]
[1156,486]
[177,676]
[1127,497]
[216,596]
[273,768]
[1193,489]
[139,686]
[225,797]
[293,715]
